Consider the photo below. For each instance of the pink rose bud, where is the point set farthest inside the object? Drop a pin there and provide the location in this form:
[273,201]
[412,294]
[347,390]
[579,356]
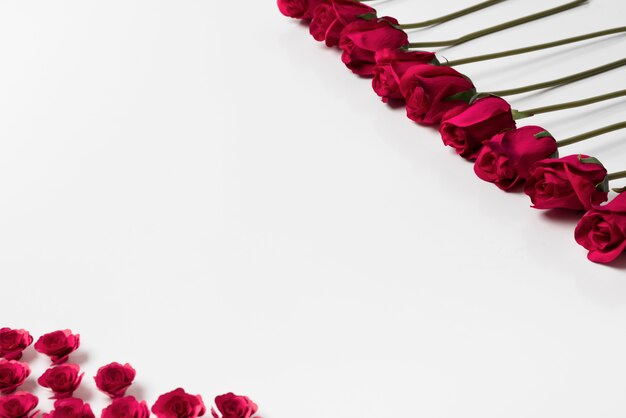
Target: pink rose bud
[467,131]
[18,405]
[234,406]
[113,379]
[566,183]
[506,158]
[63,380]
[298,9]
[58,345]
[13,342]
[178,404]
[70,408]
[391,64]
[126,407]
[602,230]
[361,39]
[12,375]
[331,16]
[428,89]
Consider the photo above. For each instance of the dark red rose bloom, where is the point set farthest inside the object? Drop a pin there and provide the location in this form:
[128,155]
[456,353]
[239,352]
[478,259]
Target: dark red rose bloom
[361,39]
[483,119]
[126,407]
[178,404]
[63,380]
[506,158]
[13,342]
[70,408]
[602,230]
[331,16]
[566,183]
[12,375]
[427,89]
[391,64]
[58,345]
[234,406]
[113,379]
[18,405]
[298,9]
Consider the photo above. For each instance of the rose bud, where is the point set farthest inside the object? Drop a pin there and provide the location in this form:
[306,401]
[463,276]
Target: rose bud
[12,375]
[234,406]
[331,16]
[113,379]
[13,342]
[566,183]
[602,230]
[428,89]
[178,404]
[360,40]
[70,408]
[126,407]
[18,405]
[483,119]
[506,158]
[58,345]
[298,9]
[63,380]
[391,64]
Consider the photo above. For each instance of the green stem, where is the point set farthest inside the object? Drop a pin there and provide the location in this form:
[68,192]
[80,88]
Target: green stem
[501,26]
[591,134]
[451,16]
[521,114]
[616,175]
[533,48]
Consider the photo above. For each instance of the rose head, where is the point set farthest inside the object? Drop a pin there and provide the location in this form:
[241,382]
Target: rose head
[427,90]
[113,379]
[58,345]
[602,230]
[505,159]
[18,405]
[331,16]
[63,380]
[391,64]
[70,408]
[234,406]
[12,375]
[13,342]
[566,183]
[361,39]
[126,407]
[298,9]
[483,119]
[178,404]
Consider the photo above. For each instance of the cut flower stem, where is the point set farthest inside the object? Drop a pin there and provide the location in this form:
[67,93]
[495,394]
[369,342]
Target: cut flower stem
[451,16]
[521,114]
[591,134]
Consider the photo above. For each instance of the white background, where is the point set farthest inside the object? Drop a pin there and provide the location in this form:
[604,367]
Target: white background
[202,190]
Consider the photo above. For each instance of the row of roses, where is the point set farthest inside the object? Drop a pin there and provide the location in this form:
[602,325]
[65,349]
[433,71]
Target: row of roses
[480,127]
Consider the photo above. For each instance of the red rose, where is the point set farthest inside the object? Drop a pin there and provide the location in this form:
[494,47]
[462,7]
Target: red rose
[70,408]
[234,406]
[126,407]
[113,379]
[331,16]
[566,183]
[602,230]
[298,9]
[13,342]
[18,405]
[178,404]
[391,64]
[483,119]
[427,90]
[360,40]
[63,380]
[12,375]
[58,345]
[506,158]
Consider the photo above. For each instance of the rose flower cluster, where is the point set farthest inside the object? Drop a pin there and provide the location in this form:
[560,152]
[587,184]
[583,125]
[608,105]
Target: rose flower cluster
[62,379]
[479,127]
